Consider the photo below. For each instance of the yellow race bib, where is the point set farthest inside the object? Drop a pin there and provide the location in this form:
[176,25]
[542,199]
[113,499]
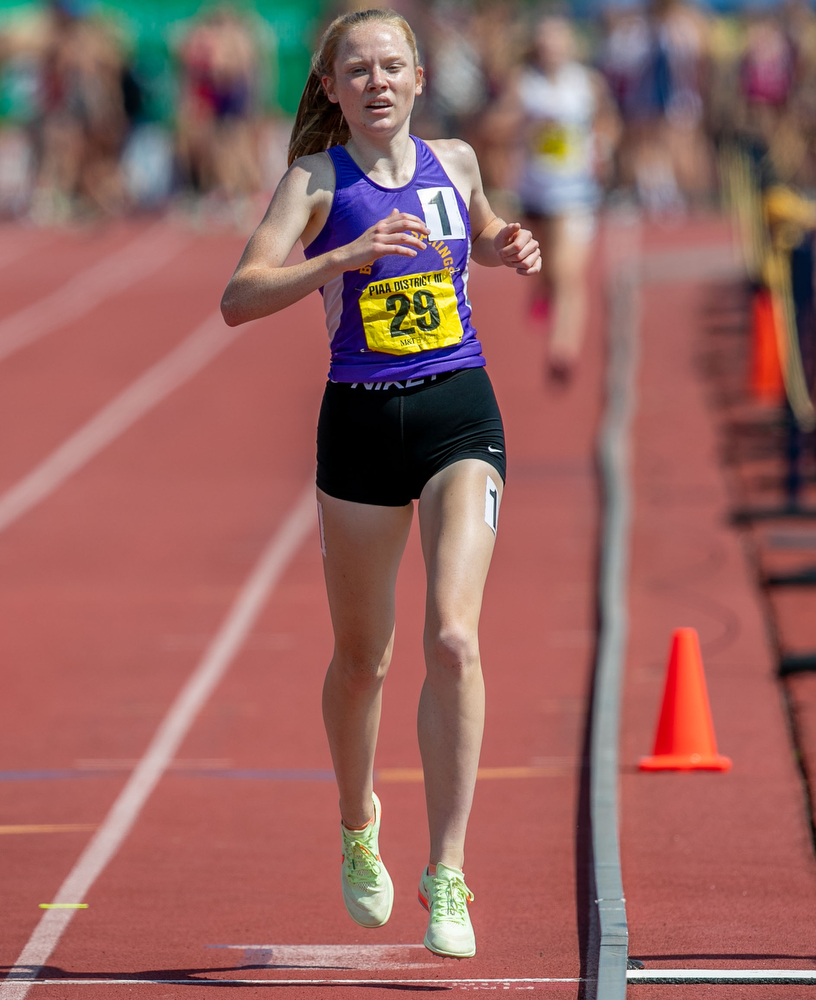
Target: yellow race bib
[554,141]
[412,313]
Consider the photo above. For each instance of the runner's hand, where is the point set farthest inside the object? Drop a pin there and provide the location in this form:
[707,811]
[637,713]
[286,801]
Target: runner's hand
[396,234]
[517,248]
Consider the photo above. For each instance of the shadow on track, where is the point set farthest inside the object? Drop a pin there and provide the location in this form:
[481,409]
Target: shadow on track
[189,977]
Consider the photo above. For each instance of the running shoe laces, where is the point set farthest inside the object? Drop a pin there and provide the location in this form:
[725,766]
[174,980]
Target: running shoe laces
[367,888]
[450,900]
[446,897]
[362,867]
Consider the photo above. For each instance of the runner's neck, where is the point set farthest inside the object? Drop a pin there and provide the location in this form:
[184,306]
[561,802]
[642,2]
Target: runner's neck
[391,163]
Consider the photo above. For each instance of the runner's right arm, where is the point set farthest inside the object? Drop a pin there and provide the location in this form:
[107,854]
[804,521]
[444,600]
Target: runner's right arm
[262,284]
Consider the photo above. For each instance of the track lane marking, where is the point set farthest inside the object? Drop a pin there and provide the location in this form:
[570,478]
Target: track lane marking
[412,774]
[154,385]
[764,976]
[163,747]
[128,763]
[315,958]
[15,828]
[193,980]
[224,769]
[138,259]
[759,976]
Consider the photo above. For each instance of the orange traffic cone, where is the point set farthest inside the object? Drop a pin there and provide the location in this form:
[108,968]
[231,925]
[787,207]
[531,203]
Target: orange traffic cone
[767,384]
[685,738]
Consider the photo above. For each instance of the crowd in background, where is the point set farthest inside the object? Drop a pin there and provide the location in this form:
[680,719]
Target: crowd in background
[81,139]
[84,139]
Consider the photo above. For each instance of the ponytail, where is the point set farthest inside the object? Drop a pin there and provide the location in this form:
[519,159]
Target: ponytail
[319,123]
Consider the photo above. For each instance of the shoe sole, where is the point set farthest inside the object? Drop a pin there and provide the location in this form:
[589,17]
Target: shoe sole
[436,951]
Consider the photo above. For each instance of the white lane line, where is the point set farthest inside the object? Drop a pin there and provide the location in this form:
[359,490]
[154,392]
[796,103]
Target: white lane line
[162,749]
[154,385]
[765,976]
[345,957]
[139,258]
[465,983]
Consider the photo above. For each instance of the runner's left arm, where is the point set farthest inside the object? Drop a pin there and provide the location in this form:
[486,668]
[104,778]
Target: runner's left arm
[495,242]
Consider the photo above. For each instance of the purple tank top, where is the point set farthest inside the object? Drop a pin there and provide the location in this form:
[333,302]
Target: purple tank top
[399,317]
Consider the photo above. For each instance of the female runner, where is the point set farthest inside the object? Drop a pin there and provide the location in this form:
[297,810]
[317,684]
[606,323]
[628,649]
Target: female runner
[564,112]
[387,223]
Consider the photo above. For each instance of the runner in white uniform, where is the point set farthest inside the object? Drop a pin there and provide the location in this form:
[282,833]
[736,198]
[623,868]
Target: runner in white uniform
[560,104]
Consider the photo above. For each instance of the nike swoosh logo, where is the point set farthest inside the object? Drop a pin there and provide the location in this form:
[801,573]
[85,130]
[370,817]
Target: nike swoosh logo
[495,451]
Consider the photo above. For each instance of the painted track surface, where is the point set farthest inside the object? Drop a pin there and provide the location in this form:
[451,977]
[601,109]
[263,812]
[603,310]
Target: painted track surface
[114,585]
[718,869]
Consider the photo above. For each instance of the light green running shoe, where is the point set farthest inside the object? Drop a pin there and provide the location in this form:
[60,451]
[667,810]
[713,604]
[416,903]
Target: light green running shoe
[446,897]
[367,888]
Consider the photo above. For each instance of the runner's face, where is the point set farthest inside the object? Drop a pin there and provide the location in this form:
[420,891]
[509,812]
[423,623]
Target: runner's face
[553,43]
[375,80]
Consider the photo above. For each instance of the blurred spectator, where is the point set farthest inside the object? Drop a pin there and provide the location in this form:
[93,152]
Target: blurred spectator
[682,55]
[774,106]
[799,19]
[502,39]
[456,84]
[96,121]
[636,70]
[76,112]
[217,119]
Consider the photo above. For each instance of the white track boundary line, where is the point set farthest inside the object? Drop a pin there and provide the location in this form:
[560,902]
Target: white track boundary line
[162,749]
[139,258]
[154,385]
[766,977]
[193,981]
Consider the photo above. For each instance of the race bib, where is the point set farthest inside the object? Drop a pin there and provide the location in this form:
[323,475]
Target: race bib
[442,215]
[554,141]
[406,315]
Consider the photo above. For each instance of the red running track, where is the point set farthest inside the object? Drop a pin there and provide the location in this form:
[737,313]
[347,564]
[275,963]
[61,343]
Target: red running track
[116,582]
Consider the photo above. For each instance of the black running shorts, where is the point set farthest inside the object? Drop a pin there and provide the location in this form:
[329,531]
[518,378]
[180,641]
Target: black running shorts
[380,442]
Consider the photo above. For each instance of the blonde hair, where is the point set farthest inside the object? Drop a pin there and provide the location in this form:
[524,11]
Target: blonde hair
[319,123]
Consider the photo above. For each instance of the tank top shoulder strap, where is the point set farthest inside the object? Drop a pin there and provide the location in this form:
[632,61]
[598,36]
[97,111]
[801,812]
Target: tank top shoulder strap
[429,164]
[346,170]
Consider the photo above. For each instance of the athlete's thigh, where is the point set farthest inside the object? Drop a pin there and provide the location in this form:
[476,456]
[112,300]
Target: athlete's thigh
[362,546]
[458,516]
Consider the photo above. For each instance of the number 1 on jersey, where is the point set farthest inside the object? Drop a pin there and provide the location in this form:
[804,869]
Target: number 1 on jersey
[439,201]
[442,215]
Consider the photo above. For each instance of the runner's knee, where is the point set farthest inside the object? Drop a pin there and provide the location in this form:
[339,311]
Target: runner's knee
[360,664]
[452,651]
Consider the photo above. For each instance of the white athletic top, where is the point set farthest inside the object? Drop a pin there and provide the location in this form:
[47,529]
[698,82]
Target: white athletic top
[558,174]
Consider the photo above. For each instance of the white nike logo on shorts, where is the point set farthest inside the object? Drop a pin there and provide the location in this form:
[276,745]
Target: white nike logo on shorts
[494,451]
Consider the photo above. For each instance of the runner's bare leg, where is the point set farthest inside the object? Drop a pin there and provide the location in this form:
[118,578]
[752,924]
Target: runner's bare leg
[457,544]
[364,544]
